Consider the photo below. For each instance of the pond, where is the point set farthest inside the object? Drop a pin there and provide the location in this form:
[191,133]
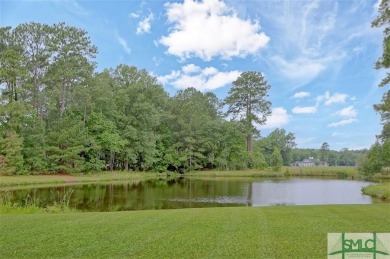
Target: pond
[197,193]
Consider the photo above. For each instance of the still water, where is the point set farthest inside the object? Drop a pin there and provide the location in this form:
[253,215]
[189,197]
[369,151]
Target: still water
[195,193]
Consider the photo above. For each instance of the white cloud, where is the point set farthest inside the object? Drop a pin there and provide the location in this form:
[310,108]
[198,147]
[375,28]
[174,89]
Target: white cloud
[205,79]
[123,43]
[310,37]
[165,79]
[144,25]
[336,98]
[278,118]
[301,95]
[299,68]
[208,29]
[190,68]
[332,99]
[342,122]
[306,110]
[348,112]
[134,15]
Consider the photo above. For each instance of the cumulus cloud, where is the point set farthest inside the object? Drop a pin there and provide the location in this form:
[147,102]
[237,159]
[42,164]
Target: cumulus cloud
[336,98]
[350,111]
[208,29]
[306,110]
[205,79]
[301,95]
[349,114]
[165,79]
[190,68]
[342,122]
[144,25]
[278,118]
[330,99]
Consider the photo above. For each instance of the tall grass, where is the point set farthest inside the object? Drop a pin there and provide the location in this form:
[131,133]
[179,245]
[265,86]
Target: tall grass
[30,204]
[381,191]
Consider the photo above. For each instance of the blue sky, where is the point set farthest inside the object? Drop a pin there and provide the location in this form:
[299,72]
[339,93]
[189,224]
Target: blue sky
[318,56]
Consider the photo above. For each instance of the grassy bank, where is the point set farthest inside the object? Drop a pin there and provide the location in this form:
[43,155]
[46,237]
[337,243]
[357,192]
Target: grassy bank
[71,179]
[381,191]
[266,232]
[339,171]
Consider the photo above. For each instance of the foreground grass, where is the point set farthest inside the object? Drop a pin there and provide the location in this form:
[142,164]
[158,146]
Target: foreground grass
[265,232]
[381,191]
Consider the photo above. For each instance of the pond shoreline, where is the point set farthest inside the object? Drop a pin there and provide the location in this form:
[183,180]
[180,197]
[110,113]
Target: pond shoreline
[341,172]
[183,192]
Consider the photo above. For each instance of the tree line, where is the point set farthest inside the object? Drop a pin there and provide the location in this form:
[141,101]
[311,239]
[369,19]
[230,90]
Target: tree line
[57,114]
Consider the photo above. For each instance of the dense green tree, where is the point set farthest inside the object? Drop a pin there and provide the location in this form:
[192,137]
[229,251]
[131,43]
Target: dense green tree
[11,158]
[371,162]
[34,39]
[140,101]
[383,20]
[193,111]
[384,109]
[276,160]
[34,152]
[67,141]
[247,103]
[72,53]
[280,139]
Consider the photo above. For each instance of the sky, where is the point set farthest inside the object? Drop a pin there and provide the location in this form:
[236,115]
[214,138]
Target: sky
[318,56]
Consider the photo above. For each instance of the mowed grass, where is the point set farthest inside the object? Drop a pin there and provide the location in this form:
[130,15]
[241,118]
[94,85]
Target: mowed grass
[263,232]
[381,191]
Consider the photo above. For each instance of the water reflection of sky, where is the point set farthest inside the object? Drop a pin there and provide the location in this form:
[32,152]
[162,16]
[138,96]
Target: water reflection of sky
[308,192]
[291,192]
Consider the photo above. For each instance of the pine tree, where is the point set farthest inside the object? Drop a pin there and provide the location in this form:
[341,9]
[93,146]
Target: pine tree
[247,103]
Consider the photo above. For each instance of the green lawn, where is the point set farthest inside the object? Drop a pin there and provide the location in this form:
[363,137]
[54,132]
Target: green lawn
[266,232]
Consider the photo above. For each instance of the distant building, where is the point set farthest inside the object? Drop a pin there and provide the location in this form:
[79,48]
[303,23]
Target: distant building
[305,162]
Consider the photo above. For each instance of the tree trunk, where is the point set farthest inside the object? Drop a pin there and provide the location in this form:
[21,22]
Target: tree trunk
[63,99]
[249,146]
[112,162]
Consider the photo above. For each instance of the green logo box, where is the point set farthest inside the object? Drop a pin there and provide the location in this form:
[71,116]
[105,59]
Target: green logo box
[358,245]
